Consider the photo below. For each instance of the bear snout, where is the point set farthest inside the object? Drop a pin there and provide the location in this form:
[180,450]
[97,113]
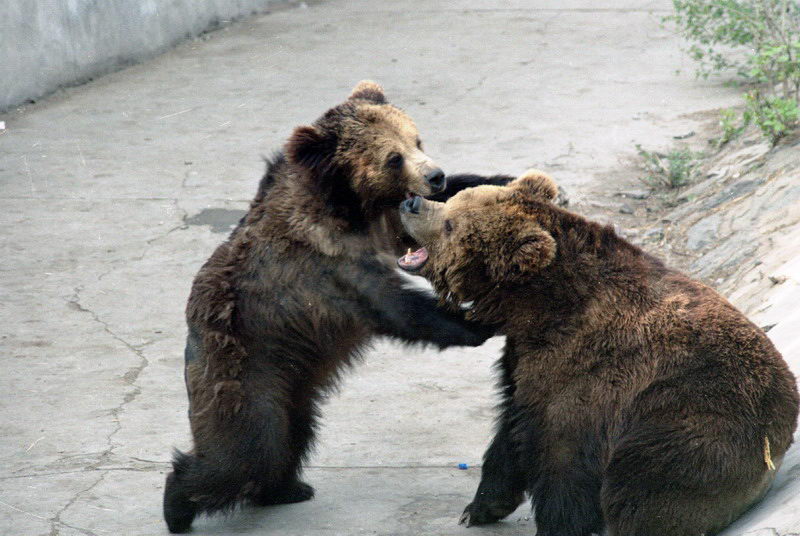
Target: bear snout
[436,179]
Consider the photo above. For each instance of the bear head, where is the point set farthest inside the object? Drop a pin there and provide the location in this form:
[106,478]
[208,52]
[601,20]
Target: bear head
[483,238]
[364,156]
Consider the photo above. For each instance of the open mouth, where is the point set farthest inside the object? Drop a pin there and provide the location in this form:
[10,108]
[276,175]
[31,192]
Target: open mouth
[413,260]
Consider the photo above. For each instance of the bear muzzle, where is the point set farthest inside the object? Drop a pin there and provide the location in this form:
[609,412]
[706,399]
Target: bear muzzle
[411,204]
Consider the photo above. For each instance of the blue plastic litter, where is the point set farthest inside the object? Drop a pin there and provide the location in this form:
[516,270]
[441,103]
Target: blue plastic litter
[463,466]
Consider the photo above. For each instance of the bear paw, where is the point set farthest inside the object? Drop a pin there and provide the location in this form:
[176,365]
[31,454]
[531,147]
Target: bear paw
[487,511]
[295,492]
[179,510]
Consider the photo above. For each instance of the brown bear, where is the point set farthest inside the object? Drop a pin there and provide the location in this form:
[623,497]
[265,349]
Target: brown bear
[296,293]
[634,399]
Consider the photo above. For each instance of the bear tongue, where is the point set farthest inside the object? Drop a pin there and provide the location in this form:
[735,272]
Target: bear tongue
[413,260]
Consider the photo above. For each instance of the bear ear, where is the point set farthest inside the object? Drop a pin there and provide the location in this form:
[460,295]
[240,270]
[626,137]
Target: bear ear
[528,253]
[368,90]
[310,148]
[536,183]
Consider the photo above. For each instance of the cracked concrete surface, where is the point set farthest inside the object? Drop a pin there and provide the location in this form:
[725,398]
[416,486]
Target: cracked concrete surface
[104,211]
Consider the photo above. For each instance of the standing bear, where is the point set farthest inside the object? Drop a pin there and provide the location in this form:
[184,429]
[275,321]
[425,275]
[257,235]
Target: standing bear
[296,293]
[634,399]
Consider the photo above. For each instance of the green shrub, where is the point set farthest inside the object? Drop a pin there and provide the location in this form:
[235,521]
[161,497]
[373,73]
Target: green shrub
[732,126]
[777,65]
[774,116]
[760,40]
[715,28]
[668,170]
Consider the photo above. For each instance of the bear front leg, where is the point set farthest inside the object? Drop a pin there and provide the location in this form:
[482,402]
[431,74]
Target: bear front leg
[414,317]
[502,486]
[406,313]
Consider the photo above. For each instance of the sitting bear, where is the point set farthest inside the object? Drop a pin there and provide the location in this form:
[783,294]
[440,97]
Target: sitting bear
[296,293]
[634,399]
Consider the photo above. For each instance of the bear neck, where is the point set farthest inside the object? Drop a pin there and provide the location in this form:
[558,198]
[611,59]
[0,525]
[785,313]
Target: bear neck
[332,185]
[295,209]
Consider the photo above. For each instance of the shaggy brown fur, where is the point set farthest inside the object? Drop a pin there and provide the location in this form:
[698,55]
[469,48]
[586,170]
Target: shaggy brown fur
[296,292]
[634,398]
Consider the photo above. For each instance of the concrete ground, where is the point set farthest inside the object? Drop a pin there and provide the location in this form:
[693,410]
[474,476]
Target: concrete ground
[114,193]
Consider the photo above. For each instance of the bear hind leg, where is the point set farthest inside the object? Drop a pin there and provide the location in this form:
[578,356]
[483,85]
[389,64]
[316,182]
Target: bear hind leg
[179,509]
[302,416]
[234,459]
[203,485]
[664,480]
[679,511]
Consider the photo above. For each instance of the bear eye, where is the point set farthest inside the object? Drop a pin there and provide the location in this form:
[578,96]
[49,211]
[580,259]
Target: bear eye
[395,161]
[419,144]
[448,226]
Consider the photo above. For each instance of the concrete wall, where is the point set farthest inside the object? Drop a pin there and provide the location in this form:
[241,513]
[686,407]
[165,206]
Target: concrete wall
[46,44]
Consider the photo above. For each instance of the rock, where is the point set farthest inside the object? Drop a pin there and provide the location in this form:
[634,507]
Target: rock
[735,190]
[746,156]
[763,532]
[562,200]
[625,209]
[634,194]
[626,233]
[603,204]
[655,234]
[702,233]
[725,257]
[718,173]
